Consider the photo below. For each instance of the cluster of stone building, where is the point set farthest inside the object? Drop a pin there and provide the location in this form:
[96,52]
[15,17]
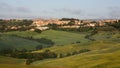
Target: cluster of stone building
[85,23]
[41,23]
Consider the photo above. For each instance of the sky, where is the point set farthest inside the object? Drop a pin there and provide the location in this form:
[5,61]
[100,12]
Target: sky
[81,9]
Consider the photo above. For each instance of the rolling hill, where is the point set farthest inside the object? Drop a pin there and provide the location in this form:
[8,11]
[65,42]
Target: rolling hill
[15,39]
[104,51]
[59,37]
[7,41]
[103,55]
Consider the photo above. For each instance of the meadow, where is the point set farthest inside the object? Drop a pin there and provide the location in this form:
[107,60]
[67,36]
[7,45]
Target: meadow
[104,50]
[59,37]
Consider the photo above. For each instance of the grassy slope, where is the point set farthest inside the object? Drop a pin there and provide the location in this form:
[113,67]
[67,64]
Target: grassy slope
[9,60]
[111,36]
[104,54]
[96,45]
[107,55]
[18,43]
[59,37]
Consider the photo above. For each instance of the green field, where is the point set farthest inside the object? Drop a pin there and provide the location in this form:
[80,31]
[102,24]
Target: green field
[104,51]
[59,37]
[103,55]
[104,60]
[8,60]
[110,36]
[17,43]
[96,45]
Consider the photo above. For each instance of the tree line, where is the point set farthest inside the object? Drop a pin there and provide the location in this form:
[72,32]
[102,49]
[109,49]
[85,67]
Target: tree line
[22,25]
[32,56]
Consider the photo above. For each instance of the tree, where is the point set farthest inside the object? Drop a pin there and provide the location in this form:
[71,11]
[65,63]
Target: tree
[6,51]
[115,24]
[24,50]
[71,23]
[68,19]
[68,54]
[48,54]
[60,55]
[38,30]
[77,41]
[39,47]
[22,55]
[74,52]
[45,41]
[29,61]
[84,50]
[38,56]
[53,26]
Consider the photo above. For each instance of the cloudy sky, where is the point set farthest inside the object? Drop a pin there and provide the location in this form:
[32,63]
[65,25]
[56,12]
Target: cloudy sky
[82,9]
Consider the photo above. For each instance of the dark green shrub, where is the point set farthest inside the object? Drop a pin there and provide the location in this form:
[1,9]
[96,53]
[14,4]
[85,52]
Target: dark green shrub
[38,30]
[29,61]
[84,50]
[39,47]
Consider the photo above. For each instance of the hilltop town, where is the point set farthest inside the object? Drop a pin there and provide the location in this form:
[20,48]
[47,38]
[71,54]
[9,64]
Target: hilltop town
[44,24]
